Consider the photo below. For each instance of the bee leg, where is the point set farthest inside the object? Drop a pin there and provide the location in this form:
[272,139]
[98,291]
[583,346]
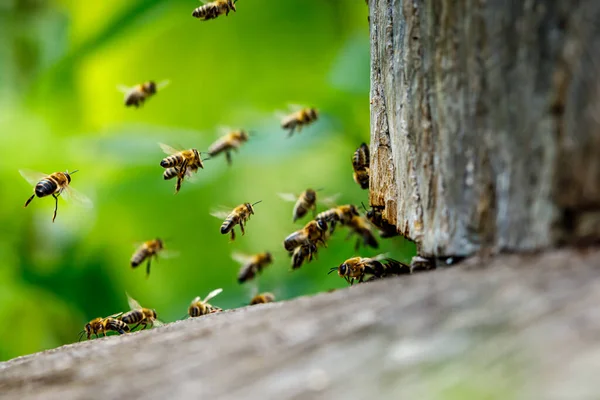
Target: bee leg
[55,206]
[148,267]
[181,175]
[121,331]
[29,200]
[228,157]
[133,329]
[242,228]
[144,326]
[232,234]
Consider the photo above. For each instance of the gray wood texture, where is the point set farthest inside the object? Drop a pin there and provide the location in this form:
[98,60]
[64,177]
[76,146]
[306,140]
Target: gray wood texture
[516,327]
[485,122]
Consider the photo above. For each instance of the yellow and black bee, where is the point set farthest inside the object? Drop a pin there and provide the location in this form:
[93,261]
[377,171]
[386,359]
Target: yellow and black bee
[341,214]
[239,216]
[357,268]
[180,163]
[213,9]
[99,326]
[359,226]
[306,202]
[303,253]
[252,265]
[200,307]
[137,95]
[375,216]
[54,185]
[147,251]
[299,119]
[228,143]
[360,164]
[313,233]
[262,298]
[139,315]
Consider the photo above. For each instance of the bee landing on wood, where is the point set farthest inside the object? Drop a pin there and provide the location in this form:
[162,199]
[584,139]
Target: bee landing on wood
[139,315]
[357,268]
[214,9]
[99,326]
[262,298]
[200,307]
[54,185]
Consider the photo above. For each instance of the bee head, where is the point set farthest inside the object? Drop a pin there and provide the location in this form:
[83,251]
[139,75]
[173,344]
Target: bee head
[151,87]
[250,207]
[321,224]
[310,194]
[68,175]
[154,314]
[232,4]
[160,243]
[313,113]
[268,257]
[243,135]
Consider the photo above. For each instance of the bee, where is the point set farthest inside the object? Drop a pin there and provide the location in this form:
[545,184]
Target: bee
[342,214]
[137,95]
[360,164]
[139,315]
[252,265]
[54,185]
[360,226]
[239,215]
[357,268]
[262,298]
[214,9]
[180,163]
[375,216]
[298,119]
[231,141]
[304,203]
[312,233]
[199,307]
[303,253]
[99,326]
[147,251]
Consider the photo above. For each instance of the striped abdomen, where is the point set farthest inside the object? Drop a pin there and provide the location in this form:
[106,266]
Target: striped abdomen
[361,177]
[172,161]
[231,220]
[112,324]
[393,267]
[220,146]
[361,157]
[46,187]
[170,173]
[294,240]
[133,317]
[198,309]
[140,256]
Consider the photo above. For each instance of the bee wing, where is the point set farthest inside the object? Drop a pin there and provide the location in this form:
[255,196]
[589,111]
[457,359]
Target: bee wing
[123,88]
[288,197]
[76,197]
[115,315]
[133,304]
[196,299]
[169,254]
[162,84]
[33,177]
[241,258]
[293,107]
[224,130]
[212,294]
[168,149]
[331,200]
[220,213]
[380,257]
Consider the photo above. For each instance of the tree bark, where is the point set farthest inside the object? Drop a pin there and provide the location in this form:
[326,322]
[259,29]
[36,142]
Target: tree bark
[485,129]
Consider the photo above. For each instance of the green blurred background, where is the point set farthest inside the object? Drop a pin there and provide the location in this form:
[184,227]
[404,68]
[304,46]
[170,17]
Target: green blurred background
[60,63]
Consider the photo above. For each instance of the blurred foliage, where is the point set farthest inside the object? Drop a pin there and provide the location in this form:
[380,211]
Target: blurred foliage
[60,63]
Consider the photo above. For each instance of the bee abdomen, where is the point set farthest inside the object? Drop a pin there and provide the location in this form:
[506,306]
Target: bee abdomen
[171,161]
[227,225]
[139,258]
[45,187]
[116,325]
[132,317]
[170,173]
[294,240]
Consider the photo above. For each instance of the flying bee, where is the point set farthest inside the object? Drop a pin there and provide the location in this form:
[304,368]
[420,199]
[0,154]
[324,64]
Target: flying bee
[342,214]
[137,95]
[213,9]
[99,326]
[231,141]
[252,265]
[303,253]
[360,226]
[357,268]
[239,215]
[312,233]
[54,185]
[139,315]
[375,216]
[360,164]
[199,307]
[298,119]
[262,298]
[304,203]
[180,163]
[147,251]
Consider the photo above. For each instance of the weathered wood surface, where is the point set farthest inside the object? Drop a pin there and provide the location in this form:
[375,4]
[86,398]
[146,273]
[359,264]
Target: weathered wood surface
[523,327]
[485,130]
